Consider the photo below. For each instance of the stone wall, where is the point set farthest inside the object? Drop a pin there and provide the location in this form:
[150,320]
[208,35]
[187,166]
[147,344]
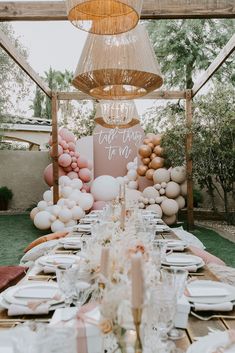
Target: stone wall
[22,172]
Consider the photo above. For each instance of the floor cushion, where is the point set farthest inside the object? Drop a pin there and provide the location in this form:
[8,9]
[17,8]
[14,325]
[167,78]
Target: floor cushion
[10,275]
[44,238]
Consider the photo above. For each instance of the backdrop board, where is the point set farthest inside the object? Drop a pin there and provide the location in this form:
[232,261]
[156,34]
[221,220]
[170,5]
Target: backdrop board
[114,148]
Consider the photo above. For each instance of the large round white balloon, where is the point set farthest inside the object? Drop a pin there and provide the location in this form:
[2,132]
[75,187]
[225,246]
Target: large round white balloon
[169,220]
[47,196]
[105,188]
[65,215]
[160,175]
[172,189]
[64,180]
[181,201]
[42,205]
[169,207]
[76,184]
[66,191]
[150,192]
[178,174]
[77,212]
[57,226]
[42,220]
[33,212]
[183,188]
[86,201]
[155,208]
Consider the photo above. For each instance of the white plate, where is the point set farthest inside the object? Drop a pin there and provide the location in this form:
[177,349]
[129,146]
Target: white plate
[210,343]
[182,260]
[50,290]
[55,260]
[210,285]
[175,244]
[83,228]
[74,242]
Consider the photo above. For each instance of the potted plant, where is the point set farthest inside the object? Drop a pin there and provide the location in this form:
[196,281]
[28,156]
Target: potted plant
[5,196]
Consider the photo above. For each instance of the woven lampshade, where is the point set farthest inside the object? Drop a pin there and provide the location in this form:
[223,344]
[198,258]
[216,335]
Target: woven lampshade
[122,66]
[121,114]
[104,16]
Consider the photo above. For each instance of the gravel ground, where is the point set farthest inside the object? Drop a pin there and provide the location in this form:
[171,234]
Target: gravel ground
[225,230]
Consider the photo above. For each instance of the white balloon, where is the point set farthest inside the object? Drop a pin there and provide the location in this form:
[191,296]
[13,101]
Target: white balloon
[162,191]
[50,203]
[105,188]
[76,184]
[157,186]
[61,202]
[150,192]
[86,201]
[132,185]
[169,207]
[52,218]
[172,189]
[65,215]
[66,191]
[71,223]
[70,203]
[181,201]
[151,201]
[120,180]
[163,185]
[146,200]
[161,175]
[155,208]
[132,175]
[77,212]
[42,205]
[55,210]
[57,226]
[158,199]
[130,165]
[169,220]
[42,220]
[47,196]
[126,179]
[141,205]
[74,196]
[64,180]
[33,212]
[183,188]
[132,195]
[178,174]
[49,209]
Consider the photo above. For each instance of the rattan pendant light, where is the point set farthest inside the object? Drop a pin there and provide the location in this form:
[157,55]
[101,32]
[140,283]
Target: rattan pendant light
[104,16]
[122,66]
[121,114]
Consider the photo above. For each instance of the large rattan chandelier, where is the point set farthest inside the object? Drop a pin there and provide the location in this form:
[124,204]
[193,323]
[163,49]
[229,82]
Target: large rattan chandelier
[104,16]
[121,114]
[118,67]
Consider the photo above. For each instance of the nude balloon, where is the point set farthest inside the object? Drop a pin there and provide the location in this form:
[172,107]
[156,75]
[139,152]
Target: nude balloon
[68,169]
[64,160]
[72,175]
[82,162]
[48,174]
[71,146]
[85,174]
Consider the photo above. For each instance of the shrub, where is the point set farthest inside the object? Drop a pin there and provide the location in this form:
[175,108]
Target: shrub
[5,196]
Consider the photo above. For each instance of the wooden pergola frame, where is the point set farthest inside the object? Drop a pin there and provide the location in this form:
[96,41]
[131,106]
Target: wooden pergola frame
[152,9]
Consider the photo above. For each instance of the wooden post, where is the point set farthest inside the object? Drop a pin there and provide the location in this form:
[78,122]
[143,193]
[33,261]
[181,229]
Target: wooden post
[55,147]
[189,162]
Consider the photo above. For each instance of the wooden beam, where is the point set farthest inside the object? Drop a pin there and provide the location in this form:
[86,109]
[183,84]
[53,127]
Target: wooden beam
[20,60]
[189,162]
[215,65]
[153,95]
[152,9]
[54,108]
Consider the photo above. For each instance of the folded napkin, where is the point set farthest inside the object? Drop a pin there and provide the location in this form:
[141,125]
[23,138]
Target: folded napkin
[226,306]
[72,246]
[16,309]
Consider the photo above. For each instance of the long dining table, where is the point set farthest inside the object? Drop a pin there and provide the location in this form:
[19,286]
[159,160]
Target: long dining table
[196,327]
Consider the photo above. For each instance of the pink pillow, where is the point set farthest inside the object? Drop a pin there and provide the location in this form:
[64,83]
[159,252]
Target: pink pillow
[206,256]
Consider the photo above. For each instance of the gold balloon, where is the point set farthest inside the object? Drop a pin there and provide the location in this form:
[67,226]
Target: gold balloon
[157,162]
[156,140]
[152,156]
[151,145]
[146,160]
[145,151]
[158,150]
[142,169]
[149,174]
[146,141]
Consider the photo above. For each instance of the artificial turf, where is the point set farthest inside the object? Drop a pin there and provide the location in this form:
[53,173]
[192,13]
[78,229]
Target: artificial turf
[17,231]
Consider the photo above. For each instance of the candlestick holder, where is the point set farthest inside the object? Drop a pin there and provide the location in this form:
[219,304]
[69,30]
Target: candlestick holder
[137,313]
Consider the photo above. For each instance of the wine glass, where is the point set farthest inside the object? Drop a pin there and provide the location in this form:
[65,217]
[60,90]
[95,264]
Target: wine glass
[82,287]
[66,279]
[175,277]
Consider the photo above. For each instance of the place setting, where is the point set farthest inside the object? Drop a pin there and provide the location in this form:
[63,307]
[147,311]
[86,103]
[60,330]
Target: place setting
[49,263]
[189,262]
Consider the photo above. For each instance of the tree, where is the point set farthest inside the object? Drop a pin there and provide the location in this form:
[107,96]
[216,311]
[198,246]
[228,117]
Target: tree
[184,47]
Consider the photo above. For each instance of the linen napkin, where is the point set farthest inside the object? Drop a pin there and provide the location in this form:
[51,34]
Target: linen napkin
[226,306]
[16,309]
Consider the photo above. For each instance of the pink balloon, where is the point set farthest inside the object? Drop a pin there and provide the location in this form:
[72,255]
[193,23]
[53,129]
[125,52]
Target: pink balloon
[82,162]
[86,187]
[64,160]
[90,165]
[85,174]
[63,144]
[69,137]
[60,151]
[62,132]
[98,205]
[66,151]
[72,175]
[48,174]
[76,169]
[71,146]
[74,165]
[71,153]
[77,154]
[74,159]
[68,169]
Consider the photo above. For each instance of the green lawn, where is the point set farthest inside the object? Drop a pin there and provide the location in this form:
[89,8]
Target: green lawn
[17,231]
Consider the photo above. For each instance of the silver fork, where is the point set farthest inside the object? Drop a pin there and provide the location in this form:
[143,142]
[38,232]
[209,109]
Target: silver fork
[214,316]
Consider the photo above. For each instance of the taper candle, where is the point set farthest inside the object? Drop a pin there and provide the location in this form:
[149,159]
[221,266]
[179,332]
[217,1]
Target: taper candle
[104,261]
[137,281]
